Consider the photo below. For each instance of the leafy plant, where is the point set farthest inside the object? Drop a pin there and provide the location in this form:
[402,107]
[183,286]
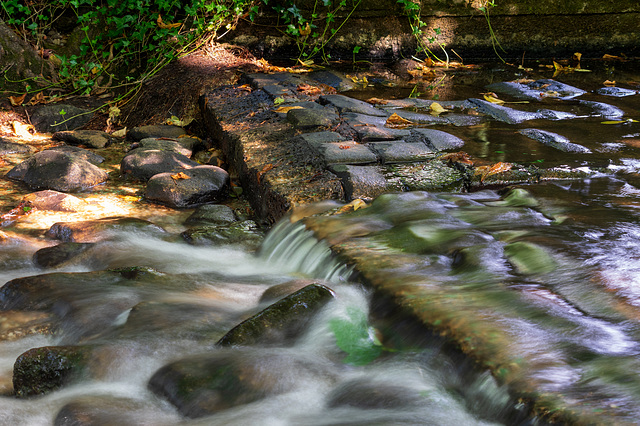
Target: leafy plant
[494,40]
[355,337]
[412,9]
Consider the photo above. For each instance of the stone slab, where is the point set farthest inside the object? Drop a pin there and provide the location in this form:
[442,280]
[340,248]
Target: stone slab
[347,152]
[401,151]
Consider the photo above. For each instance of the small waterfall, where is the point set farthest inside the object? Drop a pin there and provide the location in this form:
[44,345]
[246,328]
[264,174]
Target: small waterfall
[294,248]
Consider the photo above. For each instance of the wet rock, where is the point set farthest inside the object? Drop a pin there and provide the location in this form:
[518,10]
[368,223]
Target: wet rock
[246,233]
[90,138]
[431,176]
[537,90]
[143,164]
[174,145]
[348,152]
[282,321]
[345,104]
[50,118]
[43,370]
[279,291]
[554,140]
[438,140]
[368,394]
[528,258]
[401,151]
[207,384]
[107,410]
[91,231]
[50,257]
[334,79]
[55,201]
[364,182]
[155,131]
[502,113]
[311,118]
[371,128]
[617,92]
[78,152]
[18,324]
[301,105]
[420,118]
[212,214]
[602,109]
[7,147]
[550,114]
[58,171]
[189,188]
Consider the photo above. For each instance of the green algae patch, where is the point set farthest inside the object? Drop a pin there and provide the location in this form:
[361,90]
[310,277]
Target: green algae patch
[528,258]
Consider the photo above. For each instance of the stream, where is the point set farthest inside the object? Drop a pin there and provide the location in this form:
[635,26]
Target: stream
[572,280]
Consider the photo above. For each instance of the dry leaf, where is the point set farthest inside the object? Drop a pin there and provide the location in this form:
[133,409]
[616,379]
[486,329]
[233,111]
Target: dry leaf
[180,175]
[457,157]
[285,109]
[352,206]
[164,25]
[17,100]
[38,98]
[629,120]
[344,146]
[377,101]
[577,56]
[305,31]
[436,109]
[395,121]
[246,88]
[264,170]
[609,83]
[493,169]
[22,130]
[612,57]
[491,97]
[120,133]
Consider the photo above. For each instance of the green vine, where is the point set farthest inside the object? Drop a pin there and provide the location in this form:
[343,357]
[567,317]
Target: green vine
[412,10]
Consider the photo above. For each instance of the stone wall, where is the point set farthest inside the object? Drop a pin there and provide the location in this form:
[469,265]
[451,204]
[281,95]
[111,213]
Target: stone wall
[540,29]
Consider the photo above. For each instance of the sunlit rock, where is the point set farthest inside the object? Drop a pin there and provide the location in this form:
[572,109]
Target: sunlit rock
[155,131]
[142,163]
[55,201]
[211,214]
[90,138]
[51,257]
[189,188]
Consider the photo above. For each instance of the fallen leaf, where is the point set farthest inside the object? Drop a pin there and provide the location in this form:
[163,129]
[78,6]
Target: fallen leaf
[23,130]
[612,57]
[494,169]
[630,120]
[130,198]
[344,146]
[180,175]
[377,101]
[264,170]
[17,100]
[23,209]
[246,88]
[164,25]
[352,206]
[285,109]
[523,81]
[38,98]
[457,157]
[395,121]
[577,56]
[436,109]
[609,83]
[305,31]
[309,90]
[120,133]
[491,97]
[277,101]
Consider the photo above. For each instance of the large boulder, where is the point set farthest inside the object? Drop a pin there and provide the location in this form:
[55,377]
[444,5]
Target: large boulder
[189,188]
[142,164]
[60,171]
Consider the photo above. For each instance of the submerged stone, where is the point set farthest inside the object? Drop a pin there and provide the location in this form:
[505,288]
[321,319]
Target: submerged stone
[281,322]
[50,257]
[603,109]
[528,258]
[368,394]
[537,90]
[246,233]
[91,231]
[18,324]
[107,410]
[617,92]
[43,370]
[554,140]
[7,147]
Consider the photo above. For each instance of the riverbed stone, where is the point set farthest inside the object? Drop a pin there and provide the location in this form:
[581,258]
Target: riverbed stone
[206,384]
[361,181]
[334,79]
[212,214]
[279,291]
[58,171]
[346,104]
[51,257]
[108,410]
[18,324]
[537,90]
[347,152]
[246,233]
[142,164]
[189,188]
[554,140]
[43,370]
[401,151]
[155,131]
[617,92]
[501,112]
[369,394]
[8,147]
[281,322]
[173,145]
[372,128]
[438,139]
[91,231]
[603,109]
[78,152]
[55,201]
[58,117]
[90,138]
[309,118]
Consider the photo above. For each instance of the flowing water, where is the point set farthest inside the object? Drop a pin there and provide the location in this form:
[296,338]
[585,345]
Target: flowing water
[577,285]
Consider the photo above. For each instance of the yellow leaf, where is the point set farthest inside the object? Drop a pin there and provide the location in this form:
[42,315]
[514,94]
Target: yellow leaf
[306,31]
[396,121]
[609,83]
[17,100]
[285,109]
[557,66]
[164,25]
[120,133]
[277,101]
[630,120]
[130,198]
[354,205]
[494,169]
[180,175]
[22,130]
[37,99]
[612,57]
[493,99]
[577,56]
[436,109]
